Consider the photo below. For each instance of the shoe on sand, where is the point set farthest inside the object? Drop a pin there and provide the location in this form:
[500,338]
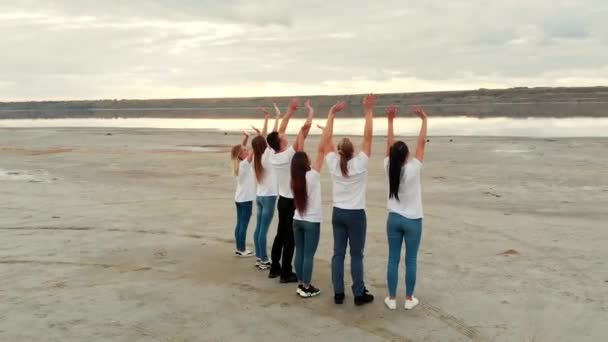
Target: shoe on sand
[390,303]
[244,254]
[410,304]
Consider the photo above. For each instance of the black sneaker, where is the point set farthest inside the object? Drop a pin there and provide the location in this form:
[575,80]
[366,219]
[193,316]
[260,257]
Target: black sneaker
[363,299]
[311,291]
[274,274]
[292,278]
[339,298]
[300,289]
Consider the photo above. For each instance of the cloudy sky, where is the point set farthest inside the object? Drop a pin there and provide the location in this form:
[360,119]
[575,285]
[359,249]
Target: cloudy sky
[89,49]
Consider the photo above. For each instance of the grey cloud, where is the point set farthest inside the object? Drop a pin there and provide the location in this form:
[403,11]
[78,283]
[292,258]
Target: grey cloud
[89,48]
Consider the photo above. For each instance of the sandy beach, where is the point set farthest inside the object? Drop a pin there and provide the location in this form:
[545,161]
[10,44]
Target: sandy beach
[127,235]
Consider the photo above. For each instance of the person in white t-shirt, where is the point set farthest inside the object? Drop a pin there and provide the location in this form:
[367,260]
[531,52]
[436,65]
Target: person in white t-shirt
[349,173]
[404,208]
[245,193]
[306,187]
[266,192]
[284,244]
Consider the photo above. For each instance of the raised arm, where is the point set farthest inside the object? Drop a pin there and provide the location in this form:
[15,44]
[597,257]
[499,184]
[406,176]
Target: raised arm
[326,144]
[299,145]
[368,104]
[266,117]
[278,118]
[421,144]
[328,131]
[245,138]
[322,150]
[292,108]
[391,113]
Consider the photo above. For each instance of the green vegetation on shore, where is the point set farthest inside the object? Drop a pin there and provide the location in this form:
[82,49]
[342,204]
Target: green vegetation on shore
[514,102]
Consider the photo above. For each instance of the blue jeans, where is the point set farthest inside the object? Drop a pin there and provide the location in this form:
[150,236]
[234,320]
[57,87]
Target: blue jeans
[243,215]
[349,226]
[264,218]
[306,235]
[398,229]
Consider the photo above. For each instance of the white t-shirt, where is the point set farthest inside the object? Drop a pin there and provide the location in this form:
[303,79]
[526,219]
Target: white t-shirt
[349,192]
[268,185]
[314,210]
[245,183]
[281,162]
[410,194]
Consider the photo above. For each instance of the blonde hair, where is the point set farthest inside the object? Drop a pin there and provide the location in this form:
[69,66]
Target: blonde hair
[234,157]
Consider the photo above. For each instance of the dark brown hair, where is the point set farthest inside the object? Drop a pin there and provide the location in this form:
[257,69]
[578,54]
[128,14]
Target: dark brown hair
[397,156]
[346,150]
[300,164]
[259,146]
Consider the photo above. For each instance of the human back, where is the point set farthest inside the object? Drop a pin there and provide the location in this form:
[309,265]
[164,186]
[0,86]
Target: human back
[349,191]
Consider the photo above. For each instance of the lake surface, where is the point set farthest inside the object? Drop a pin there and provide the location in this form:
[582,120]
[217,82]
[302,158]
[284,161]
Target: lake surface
[439,126]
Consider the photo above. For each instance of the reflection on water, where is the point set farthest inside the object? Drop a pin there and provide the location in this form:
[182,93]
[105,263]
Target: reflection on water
[438,126]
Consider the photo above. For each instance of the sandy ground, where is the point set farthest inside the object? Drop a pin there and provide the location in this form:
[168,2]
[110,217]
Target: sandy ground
[128,237]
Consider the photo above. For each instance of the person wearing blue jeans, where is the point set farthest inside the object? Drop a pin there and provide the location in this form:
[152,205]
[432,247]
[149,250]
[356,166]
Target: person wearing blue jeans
[244,196]
[349,173]
[306,235]
[266,192]
[399,229]
[404,206]
[265,206]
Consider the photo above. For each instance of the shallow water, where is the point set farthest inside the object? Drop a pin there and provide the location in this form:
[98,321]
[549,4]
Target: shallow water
[439,126]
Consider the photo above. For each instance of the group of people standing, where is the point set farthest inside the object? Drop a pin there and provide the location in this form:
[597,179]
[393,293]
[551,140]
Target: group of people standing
[275,170]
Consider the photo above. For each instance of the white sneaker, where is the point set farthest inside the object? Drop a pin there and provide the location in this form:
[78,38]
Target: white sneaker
[264,265]
[245,254]
[410,304]
[390,303]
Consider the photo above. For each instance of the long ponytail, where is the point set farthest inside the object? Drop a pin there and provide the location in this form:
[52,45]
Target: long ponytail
[300,164]
[259,147]
[397,156]
[346,151]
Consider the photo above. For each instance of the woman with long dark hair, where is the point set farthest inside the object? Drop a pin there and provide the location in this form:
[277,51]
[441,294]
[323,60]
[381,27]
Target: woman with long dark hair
[241,159]
[349,180]
[404,208]
[266,192]
[306,187]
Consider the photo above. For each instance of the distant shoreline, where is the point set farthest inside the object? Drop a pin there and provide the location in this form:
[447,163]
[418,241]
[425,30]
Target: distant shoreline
[482,103]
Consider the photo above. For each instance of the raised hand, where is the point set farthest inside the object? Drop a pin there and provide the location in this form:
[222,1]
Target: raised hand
[391,112]
[264,110]
[369,101]
[308,106]
[417,110]
[276,109]
[294,104]
[321,127]
[338,107]
[256,130]
[245,133]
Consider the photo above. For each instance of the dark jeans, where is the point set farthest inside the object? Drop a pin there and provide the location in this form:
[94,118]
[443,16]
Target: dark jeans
[306,235]
[243,215]
[284,243]
[350,227]
[399,229]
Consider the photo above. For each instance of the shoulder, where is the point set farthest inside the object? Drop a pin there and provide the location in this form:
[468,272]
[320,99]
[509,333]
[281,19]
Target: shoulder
[313,175]
[362,158]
